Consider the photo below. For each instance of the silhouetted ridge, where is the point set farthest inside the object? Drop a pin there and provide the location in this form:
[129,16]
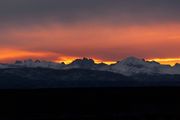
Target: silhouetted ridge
[83,62]
[128,66]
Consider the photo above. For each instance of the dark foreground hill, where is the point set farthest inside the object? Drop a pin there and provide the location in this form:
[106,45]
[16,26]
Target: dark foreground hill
[30,78]
[87,95]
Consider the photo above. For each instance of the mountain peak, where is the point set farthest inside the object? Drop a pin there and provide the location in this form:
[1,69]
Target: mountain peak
[85,58]
[132,60]
[153,62]
[37,61]
[177,65]
[83,61]
[18,62]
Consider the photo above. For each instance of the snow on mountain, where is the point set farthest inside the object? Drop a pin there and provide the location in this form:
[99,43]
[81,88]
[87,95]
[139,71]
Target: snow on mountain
[133,65]
[176,69]
[3,66]
[177,66]
[34,64]
[128,66]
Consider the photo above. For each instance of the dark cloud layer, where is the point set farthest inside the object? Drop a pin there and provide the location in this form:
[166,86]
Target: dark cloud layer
[76,11]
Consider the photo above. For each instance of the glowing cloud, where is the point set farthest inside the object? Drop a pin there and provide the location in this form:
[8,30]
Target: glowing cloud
[11,55]
[107,30]
[166,61]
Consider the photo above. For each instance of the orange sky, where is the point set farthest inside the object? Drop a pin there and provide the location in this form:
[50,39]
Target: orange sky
[106,30]
[103,42]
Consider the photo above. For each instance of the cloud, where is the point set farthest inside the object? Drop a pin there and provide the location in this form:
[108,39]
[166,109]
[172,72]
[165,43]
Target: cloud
[103,29]
[10,55]
[102,41]
[23,12]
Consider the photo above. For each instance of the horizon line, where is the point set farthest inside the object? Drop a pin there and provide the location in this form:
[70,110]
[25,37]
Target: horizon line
[68,60]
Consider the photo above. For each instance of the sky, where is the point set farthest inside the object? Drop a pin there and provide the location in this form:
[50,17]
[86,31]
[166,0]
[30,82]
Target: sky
[106,30]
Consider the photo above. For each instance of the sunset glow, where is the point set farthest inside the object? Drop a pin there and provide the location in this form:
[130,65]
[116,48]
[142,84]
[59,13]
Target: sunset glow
[163,61]
[68,60]
[167,61]
[107,30]
[12,55]
[8,55]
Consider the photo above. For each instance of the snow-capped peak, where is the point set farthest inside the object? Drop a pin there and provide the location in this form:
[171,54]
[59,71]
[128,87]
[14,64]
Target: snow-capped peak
[177,65]
[37,63]
[130,61]
[128,66]
[133,65]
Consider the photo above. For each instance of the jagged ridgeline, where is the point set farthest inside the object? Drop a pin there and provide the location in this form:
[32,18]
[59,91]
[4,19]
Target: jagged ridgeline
[129,66]
[130,72]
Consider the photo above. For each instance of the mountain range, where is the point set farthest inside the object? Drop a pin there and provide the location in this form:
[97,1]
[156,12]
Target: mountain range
[129,72]
[128,66]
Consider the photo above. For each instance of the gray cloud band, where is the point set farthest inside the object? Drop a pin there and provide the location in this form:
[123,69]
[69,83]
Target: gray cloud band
[72,11]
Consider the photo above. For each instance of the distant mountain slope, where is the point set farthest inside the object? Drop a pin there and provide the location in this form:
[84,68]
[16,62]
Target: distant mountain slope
[28,78]
[129,66]
[50,78]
